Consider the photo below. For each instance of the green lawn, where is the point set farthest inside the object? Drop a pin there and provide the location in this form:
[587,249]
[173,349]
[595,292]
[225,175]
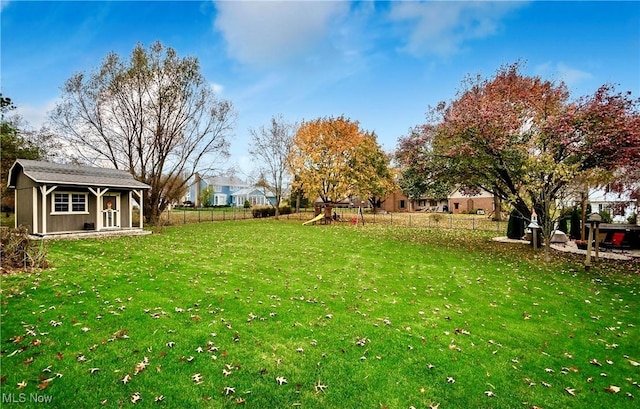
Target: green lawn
[223,314]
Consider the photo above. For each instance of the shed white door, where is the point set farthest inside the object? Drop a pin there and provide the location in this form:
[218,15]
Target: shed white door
[111,211]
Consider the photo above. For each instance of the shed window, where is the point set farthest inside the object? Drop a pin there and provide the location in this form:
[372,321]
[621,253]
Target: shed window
[78,202]
[69,203]
[61,202]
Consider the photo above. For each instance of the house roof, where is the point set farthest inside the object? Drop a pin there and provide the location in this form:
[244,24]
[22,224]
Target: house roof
[74,175]
[225,181]
[252,190]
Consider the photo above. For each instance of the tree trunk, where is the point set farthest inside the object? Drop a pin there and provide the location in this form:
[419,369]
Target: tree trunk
[497,204]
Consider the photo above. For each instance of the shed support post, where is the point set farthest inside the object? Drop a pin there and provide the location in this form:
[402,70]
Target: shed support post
[45,193]
[98,192]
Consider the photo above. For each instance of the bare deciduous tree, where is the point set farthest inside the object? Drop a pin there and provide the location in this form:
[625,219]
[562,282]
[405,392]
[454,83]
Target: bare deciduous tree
[270,148]
[154,115]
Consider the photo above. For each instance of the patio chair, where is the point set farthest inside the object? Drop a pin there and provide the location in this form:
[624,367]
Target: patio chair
[617,241]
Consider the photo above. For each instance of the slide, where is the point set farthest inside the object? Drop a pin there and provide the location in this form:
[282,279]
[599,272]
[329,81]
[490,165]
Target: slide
[315,219]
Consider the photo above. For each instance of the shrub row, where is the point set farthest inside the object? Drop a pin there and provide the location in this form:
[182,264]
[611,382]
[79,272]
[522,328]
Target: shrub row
[269,211]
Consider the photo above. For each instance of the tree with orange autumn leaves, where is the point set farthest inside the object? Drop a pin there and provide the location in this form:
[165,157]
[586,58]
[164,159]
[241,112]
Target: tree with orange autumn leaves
[332,158]
[523,140]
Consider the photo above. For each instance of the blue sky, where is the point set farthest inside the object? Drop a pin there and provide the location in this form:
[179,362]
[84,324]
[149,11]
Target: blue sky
[380,63]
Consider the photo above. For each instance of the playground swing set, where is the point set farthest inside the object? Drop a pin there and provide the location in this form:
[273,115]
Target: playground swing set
[324,215]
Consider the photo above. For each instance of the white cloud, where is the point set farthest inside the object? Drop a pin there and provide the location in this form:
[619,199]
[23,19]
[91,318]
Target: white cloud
[36,115]
[265,33]
[572,76]
[217,88]
[442,28]
[562,72]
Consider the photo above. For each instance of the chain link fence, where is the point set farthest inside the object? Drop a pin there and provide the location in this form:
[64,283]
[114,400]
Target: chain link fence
[344,215]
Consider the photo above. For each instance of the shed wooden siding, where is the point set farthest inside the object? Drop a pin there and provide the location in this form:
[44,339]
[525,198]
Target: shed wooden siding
[24,194]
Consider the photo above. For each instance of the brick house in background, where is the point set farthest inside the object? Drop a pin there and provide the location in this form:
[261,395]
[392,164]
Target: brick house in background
[398,202]
[457,202]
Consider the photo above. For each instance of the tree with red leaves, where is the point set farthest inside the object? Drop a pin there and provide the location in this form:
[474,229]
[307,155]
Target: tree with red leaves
[521,139]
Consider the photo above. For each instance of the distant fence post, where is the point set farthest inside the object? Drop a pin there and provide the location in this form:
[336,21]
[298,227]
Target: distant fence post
[184,217]
[451,221]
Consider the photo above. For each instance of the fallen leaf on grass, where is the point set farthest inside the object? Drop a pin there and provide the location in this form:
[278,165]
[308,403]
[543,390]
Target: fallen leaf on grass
[634,363]
[281,380]
[135,397]
[229,390]
[319,387]
[612,389]
[570,391]
[22,385]
[126,379]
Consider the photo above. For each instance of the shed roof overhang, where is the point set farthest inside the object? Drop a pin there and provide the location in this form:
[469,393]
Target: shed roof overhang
[48,173]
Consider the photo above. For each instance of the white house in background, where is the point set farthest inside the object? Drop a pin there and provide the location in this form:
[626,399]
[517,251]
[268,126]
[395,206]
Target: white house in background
[228,191]
[254,195]
[618,205]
